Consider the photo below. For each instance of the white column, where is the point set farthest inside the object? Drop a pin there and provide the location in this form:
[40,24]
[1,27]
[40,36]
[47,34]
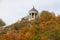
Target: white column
[31,15]
[34,15]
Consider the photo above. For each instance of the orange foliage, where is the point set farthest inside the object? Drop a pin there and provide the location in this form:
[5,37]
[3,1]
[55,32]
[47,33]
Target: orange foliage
[44,38]
[20,36]
[56,27]
[42,26]
[10,34]
[28,34]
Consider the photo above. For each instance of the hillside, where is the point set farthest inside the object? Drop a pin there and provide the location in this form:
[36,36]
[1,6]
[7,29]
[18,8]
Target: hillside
[45,27]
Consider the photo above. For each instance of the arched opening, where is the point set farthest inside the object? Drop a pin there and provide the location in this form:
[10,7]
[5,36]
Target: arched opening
[32,15]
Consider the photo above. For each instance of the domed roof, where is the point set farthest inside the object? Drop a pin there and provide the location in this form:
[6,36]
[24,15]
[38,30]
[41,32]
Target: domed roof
[33,9]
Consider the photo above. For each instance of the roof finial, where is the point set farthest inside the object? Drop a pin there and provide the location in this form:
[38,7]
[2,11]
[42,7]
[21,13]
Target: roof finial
[33,6]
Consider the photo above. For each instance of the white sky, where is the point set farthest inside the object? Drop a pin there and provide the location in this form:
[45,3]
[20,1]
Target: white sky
[13,10]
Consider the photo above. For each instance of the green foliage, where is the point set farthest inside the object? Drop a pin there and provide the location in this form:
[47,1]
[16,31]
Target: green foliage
[35,37]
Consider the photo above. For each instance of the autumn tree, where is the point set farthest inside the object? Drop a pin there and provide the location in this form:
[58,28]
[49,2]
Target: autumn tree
[2,23]
[47,15]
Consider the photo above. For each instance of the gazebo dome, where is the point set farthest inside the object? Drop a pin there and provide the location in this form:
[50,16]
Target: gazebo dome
[33,9]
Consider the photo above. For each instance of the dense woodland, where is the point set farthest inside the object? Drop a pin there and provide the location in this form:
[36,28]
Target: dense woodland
[45,27]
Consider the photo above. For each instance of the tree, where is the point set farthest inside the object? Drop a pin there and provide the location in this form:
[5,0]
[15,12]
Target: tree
[47,16]
[2,23]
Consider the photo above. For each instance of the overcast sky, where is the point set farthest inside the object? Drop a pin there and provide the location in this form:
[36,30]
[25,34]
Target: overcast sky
[13,10]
